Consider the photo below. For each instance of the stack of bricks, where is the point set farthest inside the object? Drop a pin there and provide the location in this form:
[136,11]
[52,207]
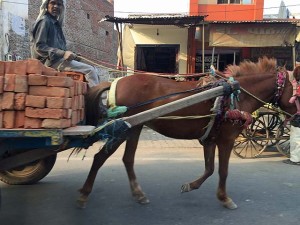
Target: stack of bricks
[33,96]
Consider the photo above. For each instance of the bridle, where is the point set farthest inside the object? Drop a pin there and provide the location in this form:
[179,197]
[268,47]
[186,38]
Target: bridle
[280,83]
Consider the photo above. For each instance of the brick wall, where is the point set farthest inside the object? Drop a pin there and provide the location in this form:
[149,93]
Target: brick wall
[97,41]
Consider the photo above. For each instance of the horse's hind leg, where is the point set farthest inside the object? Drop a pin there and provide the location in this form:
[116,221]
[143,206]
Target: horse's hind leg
[128,160]
[209,157]
[99,160]
[224,155]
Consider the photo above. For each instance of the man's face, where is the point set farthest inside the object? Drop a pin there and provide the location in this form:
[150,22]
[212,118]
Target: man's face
[54,7]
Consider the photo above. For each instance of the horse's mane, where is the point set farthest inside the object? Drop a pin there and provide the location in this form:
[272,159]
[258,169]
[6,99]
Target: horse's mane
[264,65]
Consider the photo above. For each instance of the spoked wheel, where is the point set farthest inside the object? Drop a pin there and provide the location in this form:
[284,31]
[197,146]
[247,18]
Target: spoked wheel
[283,139]
[272,122]
[252,141]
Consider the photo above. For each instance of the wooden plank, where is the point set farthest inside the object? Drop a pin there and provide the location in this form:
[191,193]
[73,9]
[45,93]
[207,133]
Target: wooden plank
[78,131]
[151,114]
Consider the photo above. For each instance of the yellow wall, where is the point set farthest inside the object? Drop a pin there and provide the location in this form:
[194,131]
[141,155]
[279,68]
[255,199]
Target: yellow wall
[155,34]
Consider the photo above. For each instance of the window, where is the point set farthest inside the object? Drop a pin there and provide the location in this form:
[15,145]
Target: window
[243,2]
[246,2]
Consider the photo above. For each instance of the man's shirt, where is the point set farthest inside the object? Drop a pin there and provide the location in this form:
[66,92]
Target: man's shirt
[48,43]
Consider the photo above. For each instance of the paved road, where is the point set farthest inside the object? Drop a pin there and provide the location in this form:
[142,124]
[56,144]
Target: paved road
[266,190]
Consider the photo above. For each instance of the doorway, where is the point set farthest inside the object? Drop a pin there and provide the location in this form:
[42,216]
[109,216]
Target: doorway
[157,58]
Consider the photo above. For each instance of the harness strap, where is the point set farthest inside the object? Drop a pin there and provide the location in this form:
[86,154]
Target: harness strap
[112,93]
[216,108]
[114,110]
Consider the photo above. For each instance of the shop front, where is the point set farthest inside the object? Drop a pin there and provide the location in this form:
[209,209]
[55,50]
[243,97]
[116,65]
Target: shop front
[232,42]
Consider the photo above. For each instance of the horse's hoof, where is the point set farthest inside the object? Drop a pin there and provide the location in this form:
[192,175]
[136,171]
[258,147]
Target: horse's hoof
[143,200]
[81,203]
[185,188]
[229,204]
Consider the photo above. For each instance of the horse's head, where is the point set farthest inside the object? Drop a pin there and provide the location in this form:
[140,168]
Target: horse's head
[259,80]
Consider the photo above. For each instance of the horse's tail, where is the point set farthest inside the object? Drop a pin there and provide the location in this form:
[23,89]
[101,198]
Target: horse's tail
[95,110]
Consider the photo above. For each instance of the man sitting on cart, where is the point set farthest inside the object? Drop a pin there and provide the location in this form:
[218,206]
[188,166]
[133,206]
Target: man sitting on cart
[48,43]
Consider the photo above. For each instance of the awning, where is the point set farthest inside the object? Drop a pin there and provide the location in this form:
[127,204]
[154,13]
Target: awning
[252,35]
[155,19]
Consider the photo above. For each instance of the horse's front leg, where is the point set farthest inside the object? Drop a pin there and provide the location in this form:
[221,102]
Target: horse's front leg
[209,157]
[224,155]
[128,160]
[99,160]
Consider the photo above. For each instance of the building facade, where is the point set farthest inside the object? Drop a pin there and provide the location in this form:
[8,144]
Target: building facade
[236,30]
[84,33]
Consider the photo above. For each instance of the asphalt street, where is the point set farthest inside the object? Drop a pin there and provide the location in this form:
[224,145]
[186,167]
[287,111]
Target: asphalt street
[265,190]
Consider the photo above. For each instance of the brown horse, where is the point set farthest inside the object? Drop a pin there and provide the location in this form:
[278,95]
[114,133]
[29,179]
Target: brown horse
[258,81]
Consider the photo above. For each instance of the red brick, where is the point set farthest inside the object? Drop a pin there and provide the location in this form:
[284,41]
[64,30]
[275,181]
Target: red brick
[54,123]
[20,67]
[21,83]
[49,71]
[32,123]
[37,79]
[9,82]
[49,91]
[79,88]
[61,74]
[68,113]
[8,119]
[55,81]
[72,92]
[82,114]
[58,103]
[19,119]
[2,68]
[45,113]
[81,101]
[75,101]
[35,101]
[84,88]
[1,119]
[8,100]
[74,119]
[1,84]
[68,103]
[19,101]
[1,99]
[75,88]
[34,66]
[9,67]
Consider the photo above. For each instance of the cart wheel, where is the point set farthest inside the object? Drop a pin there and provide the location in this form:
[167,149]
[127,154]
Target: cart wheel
[283,139]
[252,141]
[272,122]
[30,173]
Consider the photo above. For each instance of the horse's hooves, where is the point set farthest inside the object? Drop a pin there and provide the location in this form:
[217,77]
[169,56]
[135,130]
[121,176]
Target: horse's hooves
[185,188]
[143,200]
[229,204]
[81,203]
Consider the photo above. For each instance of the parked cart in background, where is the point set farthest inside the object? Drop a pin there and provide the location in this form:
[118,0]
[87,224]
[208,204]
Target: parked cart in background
[268,130]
